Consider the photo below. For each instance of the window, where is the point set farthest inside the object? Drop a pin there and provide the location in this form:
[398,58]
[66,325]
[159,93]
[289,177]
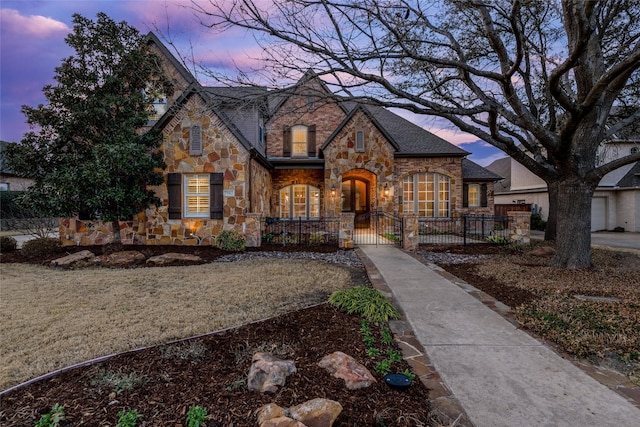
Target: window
[195,195]
[426,194]
[473,195]
[298,141]
[359,140]
[158,103]
[299,201]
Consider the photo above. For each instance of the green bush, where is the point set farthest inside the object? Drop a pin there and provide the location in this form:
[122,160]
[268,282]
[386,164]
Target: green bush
[367,302]
[230,240]
[53,418]
[537,223]
[8,244]
[129,418]
[40,246]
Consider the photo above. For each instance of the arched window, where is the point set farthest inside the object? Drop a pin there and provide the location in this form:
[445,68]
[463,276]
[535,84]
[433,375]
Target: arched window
[427,194]
[299,201]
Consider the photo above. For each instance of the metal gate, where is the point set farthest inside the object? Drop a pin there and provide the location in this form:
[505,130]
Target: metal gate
[377,228]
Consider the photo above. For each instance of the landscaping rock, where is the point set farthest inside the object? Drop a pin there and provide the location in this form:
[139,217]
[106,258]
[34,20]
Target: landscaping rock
[316,412]
[71,259]
[121,259]
[267,372]
[172,258]
[543,251]
[343,366]
[312,413]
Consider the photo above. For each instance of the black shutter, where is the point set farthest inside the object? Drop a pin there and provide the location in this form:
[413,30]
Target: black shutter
[483,195]
[195,140]
[465,195]
[216,186]
[174,186]
[311,141]
[286,142]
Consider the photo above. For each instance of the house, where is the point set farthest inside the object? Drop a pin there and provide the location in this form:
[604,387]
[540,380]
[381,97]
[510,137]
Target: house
[237,155]
[616,200]
[9,181]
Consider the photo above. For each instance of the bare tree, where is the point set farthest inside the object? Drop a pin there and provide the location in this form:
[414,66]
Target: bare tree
[538,79]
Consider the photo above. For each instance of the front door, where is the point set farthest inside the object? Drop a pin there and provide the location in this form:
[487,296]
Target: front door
[355,198]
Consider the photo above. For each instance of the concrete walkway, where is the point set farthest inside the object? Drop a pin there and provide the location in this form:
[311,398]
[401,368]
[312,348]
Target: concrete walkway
[500,375]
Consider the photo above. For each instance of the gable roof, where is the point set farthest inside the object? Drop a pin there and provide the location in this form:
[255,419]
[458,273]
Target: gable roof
[632,178]
[501,167]
[472,171]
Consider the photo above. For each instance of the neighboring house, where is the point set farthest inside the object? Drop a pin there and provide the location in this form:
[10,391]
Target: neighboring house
[615,203]
[8,180]
[234,154]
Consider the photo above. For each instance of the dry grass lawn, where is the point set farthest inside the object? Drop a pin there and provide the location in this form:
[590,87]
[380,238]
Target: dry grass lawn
[50,319]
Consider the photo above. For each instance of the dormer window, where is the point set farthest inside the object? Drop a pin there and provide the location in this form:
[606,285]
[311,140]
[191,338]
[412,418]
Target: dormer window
[299,141]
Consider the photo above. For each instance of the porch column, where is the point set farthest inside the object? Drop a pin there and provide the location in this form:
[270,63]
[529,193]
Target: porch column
[253,230]
[519,227]
[410,231]
[345,237]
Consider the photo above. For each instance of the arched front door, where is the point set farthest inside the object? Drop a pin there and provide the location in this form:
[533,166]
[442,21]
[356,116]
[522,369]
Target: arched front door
[355,198]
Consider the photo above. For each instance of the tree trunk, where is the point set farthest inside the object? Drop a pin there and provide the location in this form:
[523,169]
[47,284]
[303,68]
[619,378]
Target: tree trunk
[573,233]
[552,216]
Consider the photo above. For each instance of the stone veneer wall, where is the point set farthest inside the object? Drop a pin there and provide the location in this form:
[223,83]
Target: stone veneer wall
[261,189]
[520,227]
[377,158]
[448,166]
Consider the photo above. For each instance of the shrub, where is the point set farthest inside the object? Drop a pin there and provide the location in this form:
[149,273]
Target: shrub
[230,240]
[367,302]
[53,418]
[129,418]
[8,244]
[537,223]
[40,246]
[196,416]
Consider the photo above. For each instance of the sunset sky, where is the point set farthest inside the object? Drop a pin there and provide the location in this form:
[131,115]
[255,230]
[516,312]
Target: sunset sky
[32,44]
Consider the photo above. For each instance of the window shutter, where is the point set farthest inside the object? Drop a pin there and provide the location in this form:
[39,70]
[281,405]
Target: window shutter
[286,142]
[359,140]
[483,195]
[311,141]
[216,185]
[174,186]
[195,140]
[465,195]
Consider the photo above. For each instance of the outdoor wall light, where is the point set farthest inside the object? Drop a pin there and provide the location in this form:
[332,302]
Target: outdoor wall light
[333,190]
[386,189]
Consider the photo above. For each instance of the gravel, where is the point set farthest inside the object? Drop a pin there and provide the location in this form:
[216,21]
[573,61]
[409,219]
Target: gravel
[448,258]
[345,258]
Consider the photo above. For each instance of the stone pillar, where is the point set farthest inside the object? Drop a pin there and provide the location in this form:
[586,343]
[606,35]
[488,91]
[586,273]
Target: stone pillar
[519,227]
[253,230]
[410,232]
[345,236]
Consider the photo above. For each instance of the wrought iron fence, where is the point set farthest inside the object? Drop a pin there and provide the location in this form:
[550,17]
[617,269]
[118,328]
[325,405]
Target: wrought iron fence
[464,230]
[300,231]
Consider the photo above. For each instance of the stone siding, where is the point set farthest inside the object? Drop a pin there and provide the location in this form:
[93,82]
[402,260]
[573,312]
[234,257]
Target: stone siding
[261,189]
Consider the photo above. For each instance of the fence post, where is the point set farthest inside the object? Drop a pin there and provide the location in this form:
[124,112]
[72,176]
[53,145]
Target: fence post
[410,232]
[252,230]
[464,232]
[345,234]
[519,227]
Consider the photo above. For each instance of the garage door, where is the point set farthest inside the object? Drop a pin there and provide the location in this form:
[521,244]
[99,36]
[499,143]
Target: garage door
[598,213]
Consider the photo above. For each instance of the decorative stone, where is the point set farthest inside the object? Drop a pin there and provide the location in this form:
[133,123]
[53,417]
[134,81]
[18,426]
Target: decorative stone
[316,412]
[269,412]
[267,372]
[120,259]
[69,260]
[172,258]
[282,422]
[341,365]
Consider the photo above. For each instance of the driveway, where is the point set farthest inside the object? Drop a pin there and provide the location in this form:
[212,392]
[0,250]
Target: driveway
[625,240]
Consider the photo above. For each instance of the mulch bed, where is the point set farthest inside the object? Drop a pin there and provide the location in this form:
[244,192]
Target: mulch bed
[169,383]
